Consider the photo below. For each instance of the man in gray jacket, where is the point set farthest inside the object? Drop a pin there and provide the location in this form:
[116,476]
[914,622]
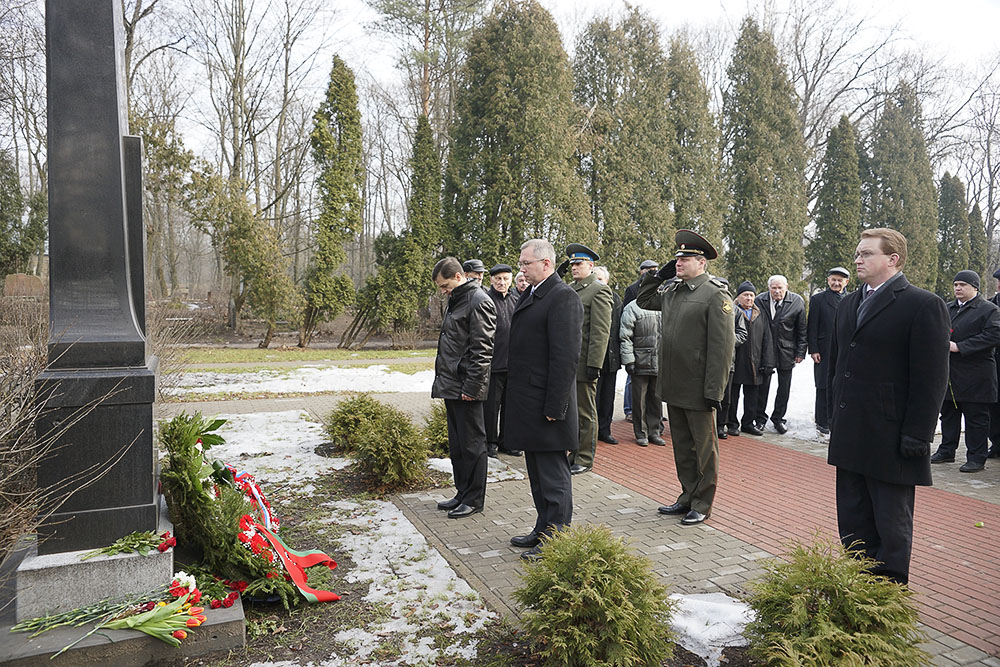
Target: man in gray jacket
[461,378]
[640,345]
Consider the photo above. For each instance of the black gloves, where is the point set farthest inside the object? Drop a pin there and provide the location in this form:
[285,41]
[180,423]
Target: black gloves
[562,268]
[911,448]
[630,368]
[715,405]
[764,370]
[593,372]
[668,270]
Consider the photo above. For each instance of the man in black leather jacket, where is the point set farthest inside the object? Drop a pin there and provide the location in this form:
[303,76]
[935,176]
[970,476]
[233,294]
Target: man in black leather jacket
[461,378]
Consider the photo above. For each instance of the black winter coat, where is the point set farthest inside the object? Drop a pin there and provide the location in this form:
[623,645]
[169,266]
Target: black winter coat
[504,304]
[757,353]
[613,358]
[888,377]
[819,325]
[788,330]
[545,330]
[972,370]
[465,345]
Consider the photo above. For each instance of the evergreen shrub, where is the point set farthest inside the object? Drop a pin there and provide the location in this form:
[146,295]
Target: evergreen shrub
[592,601]
[823,606]
[352,417]
[436,428]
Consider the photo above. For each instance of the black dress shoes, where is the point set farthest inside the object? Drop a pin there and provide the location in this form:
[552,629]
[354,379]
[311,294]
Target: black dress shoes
[781,427]
[970,466]
[693,517]
[532,539]
[676,508]
[533,554]
[610,439]
[722,434]
[510,452]
[657,440]
[825,430]
[993,454]
[752,430]
[732,430]
[463,511]
[491,452]
[448,504]
[940,457]
[577,469]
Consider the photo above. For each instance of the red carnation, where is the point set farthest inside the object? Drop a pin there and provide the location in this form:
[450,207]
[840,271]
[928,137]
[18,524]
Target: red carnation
[227,603]
[215,604]
[195,597]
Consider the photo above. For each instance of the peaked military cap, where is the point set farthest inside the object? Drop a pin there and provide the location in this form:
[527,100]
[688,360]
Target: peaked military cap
[648,264]
[692,244]
[840,271]
[577,252]
[474,266]
[501,268]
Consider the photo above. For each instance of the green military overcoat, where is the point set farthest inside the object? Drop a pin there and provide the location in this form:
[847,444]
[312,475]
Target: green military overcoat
[598,302]
[697,338]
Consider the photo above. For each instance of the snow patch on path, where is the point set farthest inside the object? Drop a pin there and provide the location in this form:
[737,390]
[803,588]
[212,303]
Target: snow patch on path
[706,623]
[306,380]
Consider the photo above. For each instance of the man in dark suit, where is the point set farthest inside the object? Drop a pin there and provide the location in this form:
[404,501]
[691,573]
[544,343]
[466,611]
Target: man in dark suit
[786,313]
[888,374]
[994,452]
[541,419]
[975,333]
[819,325]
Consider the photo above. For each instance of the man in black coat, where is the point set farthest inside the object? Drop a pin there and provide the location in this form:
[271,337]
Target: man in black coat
[504,299]
[994,452]
[819,325]
[609,371]
[752,362]
[975,333]
[541,417]
[462,378]
[888,375]
[786,313]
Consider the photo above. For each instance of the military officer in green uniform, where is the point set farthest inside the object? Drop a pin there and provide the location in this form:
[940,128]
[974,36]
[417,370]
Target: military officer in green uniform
[696,350]
[598,302]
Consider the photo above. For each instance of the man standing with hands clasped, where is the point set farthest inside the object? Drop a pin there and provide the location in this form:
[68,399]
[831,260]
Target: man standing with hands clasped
[696,351]
[888,373]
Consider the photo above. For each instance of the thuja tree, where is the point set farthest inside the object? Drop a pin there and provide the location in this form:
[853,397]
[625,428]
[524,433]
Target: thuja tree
[902,188]
[765,155]
[977,246]
[337,151]
[11,212]
[953,234]
[510,175]
[838,204]
[624,157]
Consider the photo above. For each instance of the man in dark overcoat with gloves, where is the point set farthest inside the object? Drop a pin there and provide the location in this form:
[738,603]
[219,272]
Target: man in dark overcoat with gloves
[819,330]
[541,416]
[975,333]
[888,375]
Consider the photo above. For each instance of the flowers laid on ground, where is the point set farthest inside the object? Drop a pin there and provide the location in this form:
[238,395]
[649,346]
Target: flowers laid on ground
[143,543]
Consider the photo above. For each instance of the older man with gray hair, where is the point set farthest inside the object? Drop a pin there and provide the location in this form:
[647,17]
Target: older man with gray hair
[786,314]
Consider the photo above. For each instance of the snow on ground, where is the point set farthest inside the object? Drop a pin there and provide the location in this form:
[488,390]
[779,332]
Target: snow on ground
[498,471]
[706,623]
[306,380]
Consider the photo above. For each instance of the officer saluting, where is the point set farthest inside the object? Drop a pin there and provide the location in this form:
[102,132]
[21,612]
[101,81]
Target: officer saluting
[696,351]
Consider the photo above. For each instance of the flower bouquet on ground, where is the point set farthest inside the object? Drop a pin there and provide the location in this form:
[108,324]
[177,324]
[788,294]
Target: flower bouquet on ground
[223,513]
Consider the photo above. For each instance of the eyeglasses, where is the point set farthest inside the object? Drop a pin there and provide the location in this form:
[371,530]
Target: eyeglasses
[521,263]
[867,254]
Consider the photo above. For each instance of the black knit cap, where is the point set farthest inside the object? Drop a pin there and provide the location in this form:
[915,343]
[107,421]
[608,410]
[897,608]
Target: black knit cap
[745,286]
[968,276]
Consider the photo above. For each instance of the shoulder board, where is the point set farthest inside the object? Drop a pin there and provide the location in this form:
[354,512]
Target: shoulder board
[717,282]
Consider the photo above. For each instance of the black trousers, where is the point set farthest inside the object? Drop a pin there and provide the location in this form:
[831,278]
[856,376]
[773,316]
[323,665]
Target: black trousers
[722,416]
[977,428]
[750,392]
[995,427]
[780,398]
[605,402]
[822,409]
[467,447]
[493,409]
[880,516]
[647,408]
[551,489]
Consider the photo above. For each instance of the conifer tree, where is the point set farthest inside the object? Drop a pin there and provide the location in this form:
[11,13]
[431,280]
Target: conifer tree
[952,235]
[697,189]
[838,204]
[337,151]
[765,155]
[902,188]
[977,247]
[510,175]
[624,156]
[12,252]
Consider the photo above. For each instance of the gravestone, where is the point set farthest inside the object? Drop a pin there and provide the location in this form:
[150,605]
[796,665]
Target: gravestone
[98,357]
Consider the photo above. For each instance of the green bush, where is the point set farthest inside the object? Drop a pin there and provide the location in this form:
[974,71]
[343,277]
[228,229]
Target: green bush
[823,606]
[591,601]
[436,429]
[352,417]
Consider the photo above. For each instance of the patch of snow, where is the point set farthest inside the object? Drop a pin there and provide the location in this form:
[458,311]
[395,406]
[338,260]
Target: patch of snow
[498,471]
[306,380]
[706,623]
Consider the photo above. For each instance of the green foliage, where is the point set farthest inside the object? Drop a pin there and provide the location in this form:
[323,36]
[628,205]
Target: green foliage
[591,601]
[978,245]
[953,234]
[13,253]
[822,606]
[510,175]
[838,205]
[902,189]
[386,445]
[436,428]
[140,542]
[766,152]
[624,155]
